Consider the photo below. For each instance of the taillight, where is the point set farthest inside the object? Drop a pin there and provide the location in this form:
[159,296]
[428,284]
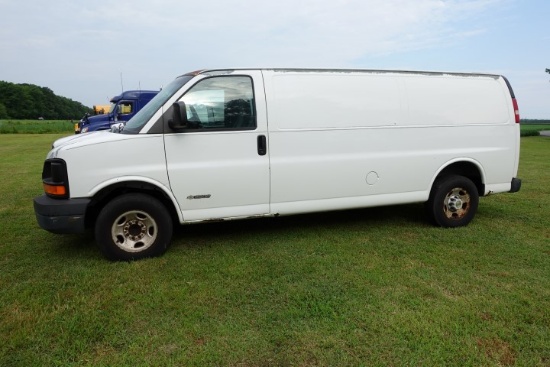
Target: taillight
[514,101]
[516,109]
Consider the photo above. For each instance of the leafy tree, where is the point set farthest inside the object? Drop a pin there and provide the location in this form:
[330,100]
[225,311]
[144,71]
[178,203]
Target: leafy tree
[3,112]
[28,101]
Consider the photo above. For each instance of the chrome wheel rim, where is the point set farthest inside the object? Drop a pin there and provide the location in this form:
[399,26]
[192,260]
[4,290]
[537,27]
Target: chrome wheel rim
[134,231]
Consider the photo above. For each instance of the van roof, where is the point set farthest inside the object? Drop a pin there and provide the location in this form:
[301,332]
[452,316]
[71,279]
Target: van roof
[369,71]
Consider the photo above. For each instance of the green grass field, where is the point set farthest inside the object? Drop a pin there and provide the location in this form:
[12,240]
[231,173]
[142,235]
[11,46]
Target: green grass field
[533,129]
[36,126]
[373,287]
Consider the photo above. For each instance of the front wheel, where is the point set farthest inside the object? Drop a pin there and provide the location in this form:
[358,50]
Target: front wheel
[133,226]
[453,201]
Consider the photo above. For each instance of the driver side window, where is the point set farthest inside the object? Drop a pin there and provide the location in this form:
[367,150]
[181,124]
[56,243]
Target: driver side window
[125,108]
[222,103]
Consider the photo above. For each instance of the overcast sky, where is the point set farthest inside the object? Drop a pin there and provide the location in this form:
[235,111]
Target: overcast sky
[80,49]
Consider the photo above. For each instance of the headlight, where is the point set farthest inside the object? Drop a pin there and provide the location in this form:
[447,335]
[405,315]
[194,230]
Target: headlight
[54,178]
[84,129]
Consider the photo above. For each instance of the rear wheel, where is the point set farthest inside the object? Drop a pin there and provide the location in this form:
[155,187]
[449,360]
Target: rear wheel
[453,201]
[133,226]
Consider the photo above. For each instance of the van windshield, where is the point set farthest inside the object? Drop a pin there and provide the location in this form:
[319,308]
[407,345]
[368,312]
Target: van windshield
[137,122]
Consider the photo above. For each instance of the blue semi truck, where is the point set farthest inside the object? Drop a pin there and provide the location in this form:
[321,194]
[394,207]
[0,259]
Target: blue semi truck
[123,108]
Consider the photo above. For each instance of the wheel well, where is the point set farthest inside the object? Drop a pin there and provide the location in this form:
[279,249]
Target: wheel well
[466,169]
[107,194]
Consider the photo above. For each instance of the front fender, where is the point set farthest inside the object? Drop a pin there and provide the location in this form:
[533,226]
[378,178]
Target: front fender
[146,181]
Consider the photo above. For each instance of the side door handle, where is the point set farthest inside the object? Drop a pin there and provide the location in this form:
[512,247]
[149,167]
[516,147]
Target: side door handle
[262,145]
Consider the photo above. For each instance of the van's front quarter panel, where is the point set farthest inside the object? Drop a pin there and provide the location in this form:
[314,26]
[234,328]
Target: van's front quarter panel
[91,166]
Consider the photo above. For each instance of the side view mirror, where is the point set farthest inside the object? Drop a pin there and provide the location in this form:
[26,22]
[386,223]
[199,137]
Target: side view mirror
[179,116]
[116,128]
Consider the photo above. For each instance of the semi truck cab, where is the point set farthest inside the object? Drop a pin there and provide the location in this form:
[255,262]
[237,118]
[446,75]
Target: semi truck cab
[123,108]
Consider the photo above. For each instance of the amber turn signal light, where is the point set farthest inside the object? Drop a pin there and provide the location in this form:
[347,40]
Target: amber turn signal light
[55,190]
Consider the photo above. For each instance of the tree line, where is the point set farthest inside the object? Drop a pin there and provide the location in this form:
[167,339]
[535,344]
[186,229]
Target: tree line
[29,102]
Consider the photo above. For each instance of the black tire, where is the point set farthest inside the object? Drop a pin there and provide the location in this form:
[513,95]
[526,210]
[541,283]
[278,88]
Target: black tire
[453,201]
[133,226]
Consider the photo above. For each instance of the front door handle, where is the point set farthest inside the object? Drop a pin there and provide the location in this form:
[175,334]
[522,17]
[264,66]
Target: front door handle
[262,145]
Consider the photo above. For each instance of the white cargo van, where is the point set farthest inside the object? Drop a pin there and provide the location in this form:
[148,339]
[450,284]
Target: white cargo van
[241,143]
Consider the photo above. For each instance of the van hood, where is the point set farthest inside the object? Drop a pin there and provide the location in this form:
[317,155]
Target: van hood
[80,140]
[71,138]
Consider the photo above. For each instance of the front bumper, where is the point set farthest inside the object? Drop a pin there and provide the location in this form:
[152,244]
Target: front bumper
[61,215]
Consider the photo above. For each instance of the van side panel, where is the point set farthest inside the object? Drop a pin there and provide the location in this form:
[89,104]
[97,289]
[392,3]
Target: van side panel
[455,100]
[341,140]
[334,100]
